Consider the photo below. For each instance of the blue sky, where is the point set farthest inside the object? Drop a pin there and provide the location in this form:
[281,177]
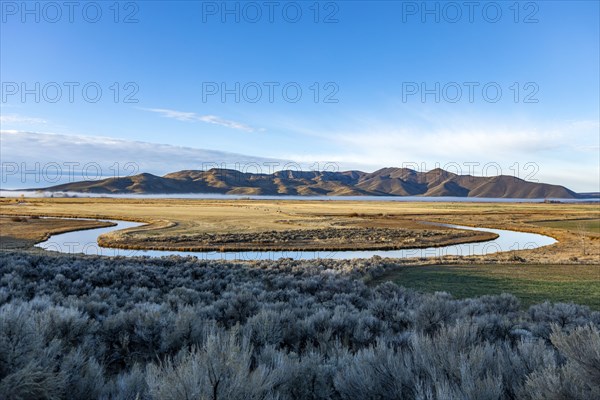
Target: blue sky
[365,56]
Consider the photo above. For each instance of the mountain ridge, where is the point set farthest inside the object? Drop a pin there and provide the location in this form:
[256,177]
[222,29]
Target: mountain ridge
[383,182]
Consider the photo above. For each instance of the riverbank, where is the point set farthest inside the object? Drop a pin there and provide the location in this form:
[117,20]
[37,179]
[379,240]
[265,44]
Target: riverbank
[23,232]
[169,220]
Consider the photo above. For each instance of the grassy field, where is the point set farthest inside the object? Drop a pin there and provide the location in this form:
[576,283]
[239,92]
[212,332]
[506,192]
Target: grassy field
[557,272]
[187,224]
[233,224]
[580,225]
[530,283]
[549,273]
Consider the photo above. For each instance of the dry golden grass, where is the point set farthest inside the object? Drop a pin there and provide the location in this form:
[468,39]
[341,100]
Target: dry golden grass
[23,232]
[169,218]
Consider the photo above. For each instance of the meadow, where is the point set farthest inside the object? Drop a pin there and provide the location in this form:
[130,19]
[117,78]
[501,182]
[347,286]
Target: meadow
[187,224]
[585,225]
[530,283]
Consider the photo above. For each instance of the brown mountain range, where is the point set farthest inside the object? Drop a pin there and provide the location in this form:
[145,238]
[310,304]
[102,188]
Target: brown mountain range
[384,182]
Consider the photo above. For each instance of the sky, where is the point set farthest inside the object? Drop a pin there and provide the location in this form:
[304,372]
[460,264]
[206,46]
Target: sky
[483,88]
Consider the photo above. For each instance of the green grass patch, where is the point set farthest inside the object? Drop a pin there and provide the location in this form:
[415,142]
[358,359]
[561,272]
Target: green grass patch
[530,283]
[587,225]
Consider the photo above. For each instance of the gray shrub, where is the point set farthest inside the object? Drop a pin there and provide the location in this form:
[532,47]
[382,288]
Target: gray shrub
[84,327]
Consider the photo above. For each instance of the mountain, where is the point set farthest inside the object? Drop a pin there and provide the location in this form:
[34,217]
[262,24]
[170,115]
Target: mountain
[384,182]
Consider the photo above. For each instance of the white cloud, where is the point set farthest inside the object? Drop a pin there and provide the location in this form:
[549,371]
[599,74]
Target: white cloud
[18,119]
[558,149]
[209,119]
[449,143]
[103,157]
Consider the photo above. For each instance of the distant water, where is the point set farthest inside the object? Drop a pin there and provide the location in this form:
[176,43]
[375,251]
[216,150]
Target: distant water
[85,241]
[6,193]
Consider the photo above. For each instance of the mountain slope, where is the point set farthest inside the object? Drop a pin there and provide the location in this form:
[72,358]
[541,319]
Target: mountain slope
[386,181]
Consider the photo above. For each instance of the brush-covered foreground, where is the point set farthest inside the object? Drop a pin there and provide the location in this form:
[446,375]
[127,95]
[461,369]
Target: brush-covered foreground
[76,327]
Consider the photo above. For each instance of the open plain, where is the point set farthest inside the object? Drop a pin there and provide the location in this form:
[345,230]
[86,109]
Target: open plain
[229,225]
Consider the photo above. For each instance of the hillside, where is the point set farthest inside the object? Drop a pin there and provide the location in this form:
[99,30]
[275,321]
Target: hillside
[384,182]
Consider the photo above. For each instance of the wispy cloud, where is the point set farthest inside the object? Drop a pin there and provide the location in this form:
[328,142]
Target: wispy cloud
[553,146]
[19,119]
[194,117]
[45,153]
[381,142]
